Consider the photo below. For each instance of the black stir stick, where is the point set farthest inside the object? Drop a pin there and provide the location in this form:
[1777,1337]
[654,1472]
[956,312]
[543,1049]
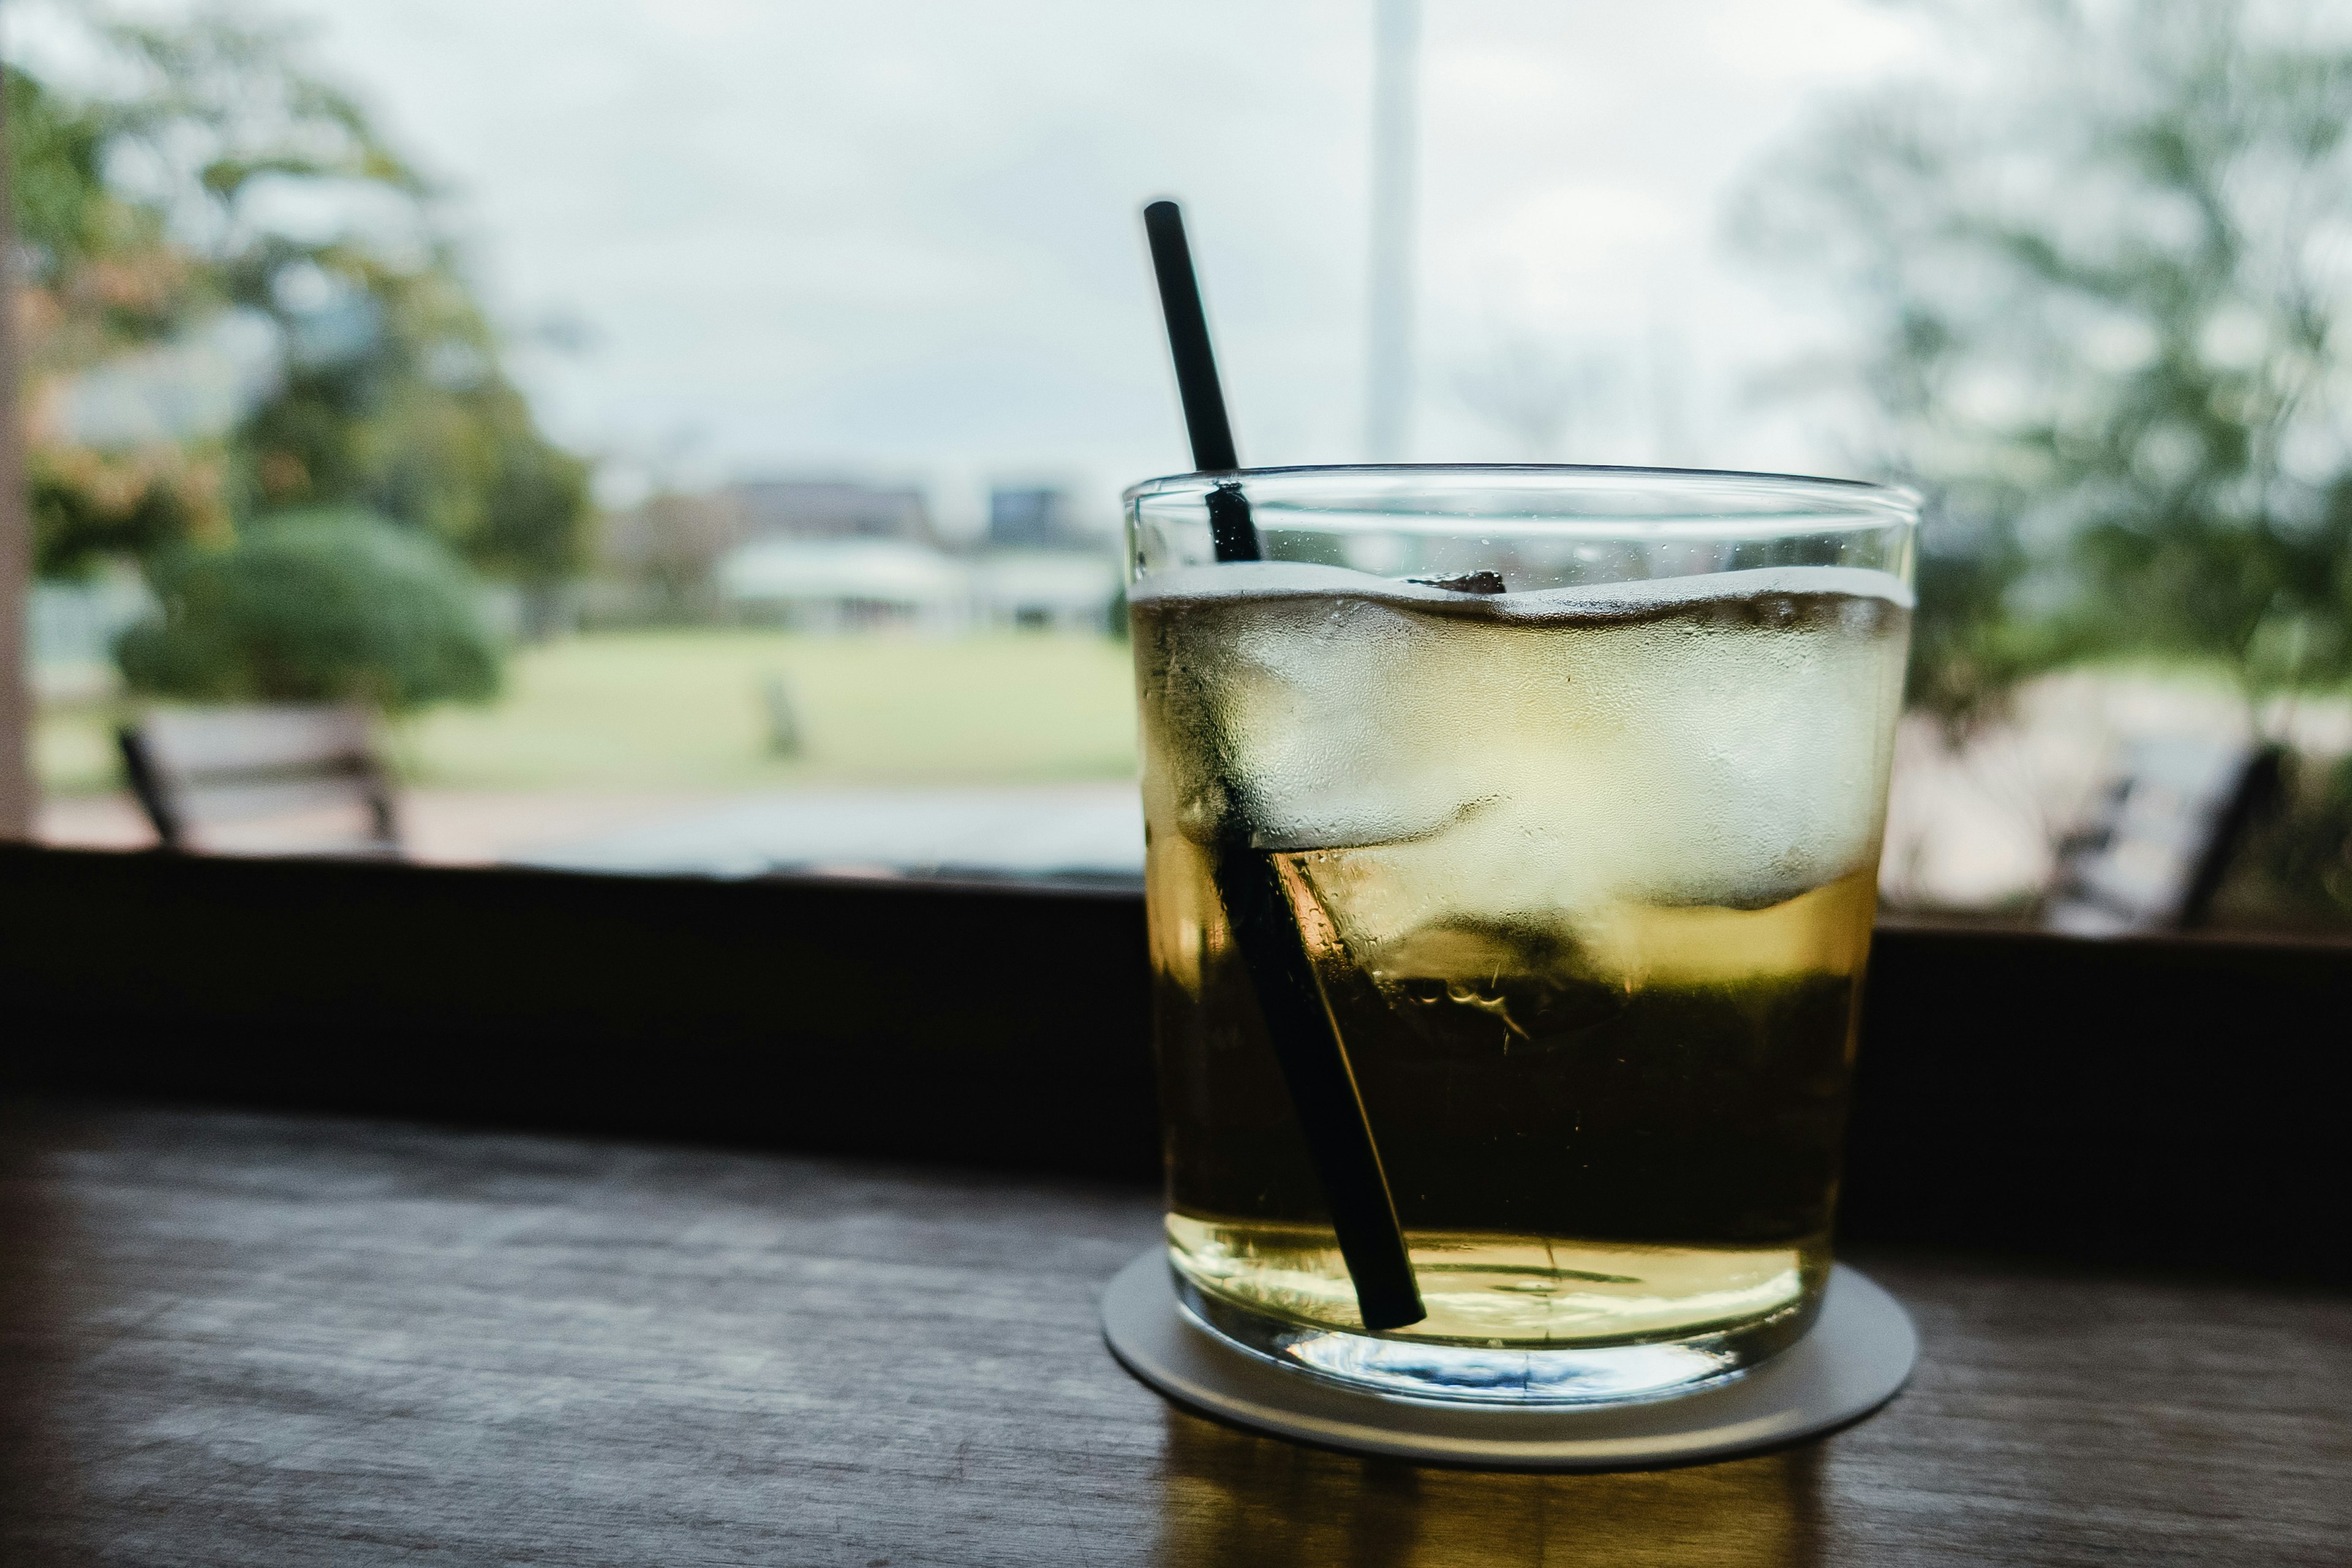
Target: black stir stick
[1298,1020]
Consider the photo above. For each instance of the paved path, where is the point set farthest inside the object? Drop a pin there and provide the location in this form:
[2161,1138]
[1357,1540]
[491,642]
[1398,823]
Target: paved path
[448,827]
[1092,831]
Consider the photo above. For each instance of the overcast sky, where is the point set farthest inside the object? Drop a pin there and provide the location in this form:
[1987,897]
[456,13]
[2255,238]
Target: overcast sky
[902,236]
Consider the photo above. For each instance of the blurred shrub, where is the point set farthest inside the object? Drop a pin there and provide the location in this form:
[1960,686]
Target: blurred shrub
[2090,269]
[314,607]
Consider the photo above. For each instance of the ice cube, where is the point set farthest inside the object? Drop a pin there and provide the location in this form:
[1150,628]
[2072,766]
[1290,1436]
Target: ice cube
[1706,739]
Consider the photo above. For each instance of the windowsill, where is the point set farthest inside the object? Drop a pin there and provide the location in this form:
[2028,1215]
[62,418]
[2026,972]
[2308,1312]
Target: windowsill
[2140,1101]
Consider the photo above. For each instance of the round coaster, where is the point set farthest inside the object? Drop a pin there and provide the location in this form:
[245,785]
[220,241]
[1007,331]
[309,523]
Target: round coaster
[1858,1355]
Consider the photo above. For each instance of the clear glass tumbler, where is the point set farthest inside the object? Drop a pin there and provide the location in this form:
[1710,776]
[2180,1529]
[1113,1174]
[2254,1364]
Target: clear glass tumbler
[1566,785]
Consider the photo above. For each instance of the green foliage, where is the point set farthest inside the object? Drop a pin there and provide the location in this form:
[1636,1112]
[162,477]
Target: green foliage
[2097,306]
[329,607]
[148,210]
[56,175]
[85,508]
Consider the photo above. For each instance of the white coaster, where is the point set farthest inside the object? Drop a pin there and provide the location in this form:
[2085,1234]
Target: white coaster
[1858,1355]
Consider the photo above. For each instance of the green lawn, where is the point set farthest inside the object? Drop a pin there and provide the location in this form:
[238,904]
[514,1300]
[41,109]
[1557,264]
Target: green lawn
[683,710]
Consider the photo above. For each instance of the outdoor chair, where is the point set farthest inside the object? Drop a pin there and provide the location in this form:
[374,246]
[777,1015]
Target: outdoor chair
[197,770]
[2162,838]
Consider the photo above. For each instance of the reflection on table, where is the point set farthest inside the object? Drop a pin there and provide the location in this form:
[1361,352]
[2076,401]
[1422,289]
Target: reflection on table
[1230,1497]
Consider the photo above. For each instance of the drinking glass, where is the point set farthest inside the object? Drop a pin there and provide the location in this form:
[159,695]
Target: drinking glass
[1563,789]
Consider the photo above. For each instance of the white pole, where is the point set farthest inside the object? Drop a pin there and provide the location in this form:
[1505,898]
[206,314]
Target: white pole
[1396,29]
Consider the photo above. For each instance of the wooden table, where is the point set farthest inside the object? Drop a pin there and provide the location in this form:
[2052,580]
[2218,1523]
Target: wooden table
[241,1338]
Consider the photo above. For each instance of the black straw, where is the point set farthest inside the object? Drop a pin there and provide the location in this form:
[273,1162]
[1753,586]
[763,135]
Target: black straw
[1188,340]
[1322,1085]
[1203,396]
[1305,1036]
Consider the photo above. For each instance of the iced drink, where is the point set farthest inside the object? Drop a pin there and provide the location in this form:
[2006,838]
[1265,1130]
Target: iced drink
[1586,873]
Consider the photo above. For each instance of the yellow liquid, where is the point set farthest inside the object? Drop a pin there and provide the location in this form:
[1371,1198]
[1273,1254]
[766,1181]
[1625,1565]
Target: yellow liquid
[1503,1291]
[1610,1106]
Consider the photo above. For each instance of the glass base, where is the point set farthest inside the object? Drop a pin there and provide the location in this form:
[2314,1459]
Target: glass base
[1455,1373]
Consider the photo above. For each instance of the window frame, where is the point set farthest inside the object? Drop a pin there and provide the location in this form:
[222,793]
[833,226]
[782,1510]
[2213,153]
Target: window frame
[2158,1101]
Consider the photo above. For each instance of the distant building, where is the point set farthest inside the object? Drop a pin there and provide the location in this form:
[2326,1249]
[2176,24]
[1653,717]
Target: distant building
[1042,516]
[1030,520]
[845,584]
[1038,568]
[823,508]
[825,556]
[1060,590]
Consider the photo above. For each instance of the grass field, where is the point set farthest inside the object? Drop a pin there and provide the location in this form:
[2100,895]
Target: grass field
[684,709]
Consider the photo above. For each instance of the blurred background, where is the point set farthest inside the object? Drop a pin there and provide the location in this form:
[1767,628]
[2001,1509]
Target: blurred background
[688,436]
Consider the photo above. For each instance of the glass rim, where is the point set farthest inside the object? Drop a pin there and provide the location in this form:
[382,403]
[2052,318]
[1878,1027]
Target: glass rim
[1899,498]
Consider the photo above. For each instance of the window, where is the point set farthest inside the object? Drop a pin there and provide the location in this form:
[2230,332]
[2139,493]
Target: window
[692,442]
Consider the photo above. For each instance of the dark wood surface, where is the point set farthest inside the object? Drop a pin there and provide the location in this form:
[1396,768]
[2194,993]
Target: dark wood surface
[234,1338]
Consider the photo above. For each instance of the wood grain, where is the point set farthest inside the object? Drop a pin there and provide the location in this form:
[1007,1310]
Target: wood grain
[229,1338]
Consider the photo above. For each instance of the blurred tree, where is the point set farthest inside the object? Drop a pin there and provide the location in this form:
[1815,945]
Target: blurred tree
[98,278]
[2098,272]
[318,608]
[667,549]
[223,178]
